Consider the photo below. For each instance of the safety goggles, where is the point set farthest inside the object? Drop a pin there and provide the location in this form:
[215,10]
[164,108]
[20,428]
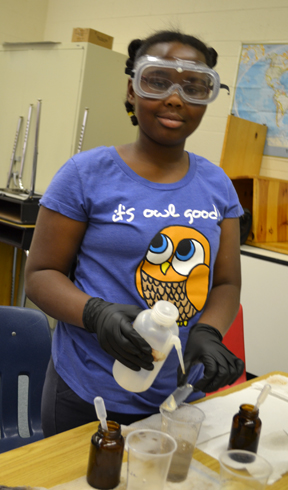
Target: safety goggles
[157,78]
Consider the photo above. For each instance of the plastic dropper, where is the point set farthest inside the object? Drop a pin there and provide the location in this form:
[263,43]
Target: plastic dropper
[101,411]
[263,395]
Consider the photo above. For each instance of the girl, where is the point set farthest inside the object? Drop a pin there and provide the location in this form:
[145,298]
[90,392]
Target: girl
[146,221]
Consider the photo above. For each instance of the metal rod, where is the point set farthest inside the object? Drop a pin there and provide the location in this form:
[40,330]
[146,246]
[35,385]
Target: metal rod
[82,130]
[24,148]
[14,150]
[35,156]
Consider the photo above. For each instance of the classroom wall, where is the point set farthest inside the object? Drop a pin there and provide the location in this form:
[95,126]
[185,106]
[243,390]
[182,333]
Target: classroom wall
[223,24]
[22,20]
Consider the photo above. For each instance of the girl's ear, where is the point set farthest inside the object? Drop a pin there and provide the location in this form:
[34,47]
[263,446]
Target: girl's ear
[130,92]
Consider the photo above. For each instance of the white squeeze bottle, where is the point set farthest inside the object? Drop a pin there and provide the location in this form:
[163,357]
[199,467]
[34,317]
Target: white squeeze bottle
[159,328]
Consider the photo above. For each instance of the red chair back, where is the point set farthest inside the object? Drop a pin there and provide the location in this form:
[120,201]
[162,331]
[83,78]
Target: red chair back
[234,341]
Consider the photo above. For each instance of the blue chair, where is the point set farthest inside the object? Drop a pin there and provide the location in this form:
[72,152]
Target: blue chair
[25,349]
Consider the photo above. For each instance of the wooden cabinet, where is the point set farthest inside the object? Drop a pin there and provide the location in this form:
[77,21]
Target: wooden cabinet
[266,198]
[243,146]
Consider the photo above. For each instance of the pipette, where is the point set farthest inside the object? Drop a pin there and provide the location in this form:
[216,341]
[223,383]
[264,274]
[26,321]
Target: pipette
[263,395]
[101,411]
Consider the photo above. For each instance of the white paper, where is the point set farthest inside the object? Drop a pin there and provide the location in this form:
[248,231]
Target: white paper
[219,412]
[278,383]
[215,431]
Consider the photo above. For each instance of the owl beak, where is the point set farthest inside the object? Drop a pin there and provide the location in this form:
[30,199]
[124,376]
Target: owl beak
[164,267]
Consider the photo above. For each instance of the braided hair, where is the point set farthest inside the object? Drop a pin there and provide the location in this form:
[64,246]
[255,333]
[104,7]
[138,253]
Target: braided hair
[138,48]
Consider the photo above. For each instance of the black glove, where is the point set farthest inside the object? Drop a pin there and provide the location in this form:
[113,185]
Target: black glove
[222,367]
[112,324]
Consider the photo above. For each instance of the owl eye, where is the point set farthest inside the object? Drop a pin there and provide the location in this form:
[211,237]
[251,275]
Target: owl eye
[160,249]
[188,255]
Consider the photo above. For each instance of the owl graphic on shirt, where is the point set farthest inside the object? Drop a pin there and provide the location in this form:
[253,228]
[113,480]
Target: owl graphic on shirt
[176,268]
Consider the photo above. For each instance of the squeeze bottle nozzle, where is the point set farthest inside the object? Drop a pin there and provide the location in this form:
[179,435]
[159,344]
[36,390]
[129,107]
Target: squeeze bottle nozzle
[177,344]
[101,411]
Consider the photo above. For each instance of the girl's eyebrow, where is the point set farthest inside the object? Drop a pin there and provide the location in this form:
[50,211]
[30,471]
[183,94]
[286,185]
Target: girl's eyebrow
[197,79]
[157,71]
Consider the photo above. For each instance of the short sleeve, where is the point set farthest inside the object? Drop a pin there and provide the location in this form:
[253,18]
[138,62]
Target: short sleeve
[65,193]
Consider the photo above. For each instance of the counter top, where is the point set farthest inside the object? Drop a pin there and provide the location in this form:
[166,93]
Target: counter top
[263,251]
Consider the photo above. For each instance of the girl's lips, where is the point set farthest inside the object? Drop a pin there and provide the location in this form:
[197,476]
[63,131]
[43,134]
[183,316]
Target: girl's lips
[170,120]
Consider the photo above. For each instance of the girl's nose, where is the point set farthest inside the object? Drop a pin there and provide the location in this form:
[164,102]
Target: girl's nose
[174,98]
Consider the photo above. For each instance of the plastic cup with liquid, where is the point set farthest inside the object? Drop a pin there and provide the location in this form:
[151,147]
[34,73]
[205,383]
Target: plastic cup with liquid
[149,457]
[183,424]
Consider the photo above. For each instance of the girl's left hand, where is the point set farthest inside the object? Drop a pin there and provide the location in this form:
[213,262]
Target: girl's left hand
[205,346]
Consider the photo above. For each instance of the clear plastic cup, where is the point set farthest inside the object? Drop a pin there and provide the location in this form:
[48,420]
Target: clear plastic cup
[243,470]
[183,425]
[149,458]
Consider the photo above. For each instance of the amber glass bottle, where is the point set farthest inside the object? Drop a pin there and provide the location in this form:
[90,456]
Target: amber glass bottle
[246,428]
[105,459]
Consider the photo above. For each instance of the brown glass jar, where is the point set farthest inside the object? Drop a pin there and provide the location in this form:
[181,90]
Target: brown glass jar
[246,428]
[105,459]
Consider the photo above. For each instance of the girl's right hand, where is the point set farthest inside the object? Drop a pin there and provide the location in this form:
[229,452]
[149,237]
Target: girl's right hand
[112,324]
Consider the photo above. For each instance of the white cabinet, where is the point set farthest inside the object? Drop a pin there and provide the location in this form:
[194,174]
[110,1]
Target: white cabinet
[67,78]
[264,298]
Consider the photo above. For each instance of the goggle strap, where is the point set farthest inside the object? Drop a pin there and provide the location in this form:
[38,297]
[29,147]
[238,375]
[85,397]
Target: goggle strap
[129,71]
[222,85]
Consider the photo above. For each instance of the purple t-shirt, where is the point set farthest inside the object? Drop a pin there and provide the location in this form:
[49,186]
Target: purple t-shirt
[144,242]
